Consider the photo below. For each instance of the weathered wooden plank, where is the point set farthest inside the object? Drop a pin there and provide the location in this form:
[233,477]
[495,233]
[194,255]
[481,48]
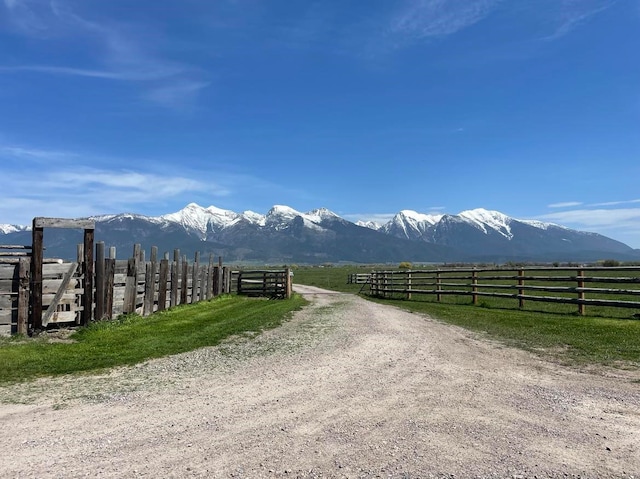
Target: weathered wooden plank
[63,223]
[7,271]
[14,246]
[108,288]
[5,329]
[53,270]
[7,302]
[22,316]
[64,316]
[67,295]
[130,292]
[162,284]
[147,289]
[8,285]
[173,299]
[184,281]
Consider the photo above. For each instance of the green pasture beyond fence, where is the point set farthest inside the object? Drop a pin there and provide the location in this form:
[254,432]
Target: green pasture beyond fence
[593,287]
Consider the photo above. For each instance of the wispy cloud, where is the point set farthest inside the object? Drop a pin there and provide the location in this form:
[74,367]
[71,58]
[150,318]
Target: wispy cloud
[437,18]
[596,217]
[616,203]
[122,52]
[573,13]
[565,204]
[66,188]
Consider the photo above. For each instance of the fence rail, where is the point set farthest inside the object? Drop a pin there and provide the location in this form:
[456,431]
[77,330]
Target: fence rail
[569,285]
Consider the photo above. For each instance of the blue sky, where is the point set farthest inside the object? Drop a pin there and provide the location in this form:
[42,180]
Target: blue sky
[531,108]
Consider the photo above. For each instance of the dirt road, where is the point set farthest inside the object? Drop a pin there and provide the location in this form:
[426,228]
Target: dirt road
[347,388]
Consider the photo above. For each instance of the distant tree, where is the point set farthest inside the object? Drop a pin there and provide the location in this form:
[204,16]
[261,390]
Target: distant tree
[609,263]
[405,265]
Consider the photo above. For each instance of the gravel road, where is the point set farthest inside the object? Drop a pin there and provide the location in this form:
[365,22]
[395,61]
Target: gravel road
[347,388]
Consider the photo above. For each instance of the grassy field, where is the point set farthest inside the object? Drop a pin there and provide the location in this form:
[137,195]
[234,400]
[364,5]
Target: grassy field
[133,339]
[604,335]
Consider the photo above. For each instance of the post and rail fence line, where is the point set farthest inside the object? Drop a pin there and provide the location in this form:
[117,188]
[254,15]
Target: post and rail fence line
[358,278]
[52,292]
[617,287]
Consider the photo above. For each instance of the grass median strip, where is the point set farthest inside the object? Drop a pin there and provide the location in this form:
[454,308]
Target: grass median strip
[133,339]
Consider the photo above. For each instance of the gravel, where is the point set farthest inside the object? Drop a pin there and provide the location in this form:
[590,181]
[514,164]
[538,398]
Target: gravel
[346,388]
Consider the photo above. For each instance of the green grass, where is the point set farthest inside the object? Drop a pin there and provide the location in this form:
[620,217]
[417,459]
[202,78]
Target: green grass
[133,339]
[603,336]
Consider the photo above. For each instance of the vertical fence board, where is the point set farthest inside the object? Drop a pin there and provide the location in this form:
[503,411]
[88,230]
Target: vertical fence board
[109,276]
[162,284]
[23,296]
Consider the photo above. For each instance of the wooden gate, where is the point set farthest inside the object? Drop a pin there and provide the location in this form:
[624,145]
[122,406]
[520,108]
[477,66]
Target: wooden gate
[63,304]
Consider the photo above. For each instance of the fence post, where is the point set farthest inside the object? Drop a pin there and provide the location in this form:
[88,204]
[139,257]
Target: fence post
[110,271]
[131,286]
[100,280]
[289,283]
[226,280]
[173,299]
[37,234]
[581,306]
[23,295]
[162,284]
[408,284]
[474,282]
[195,277]
[438,286]
[520,289]
[184,284]
[147,303]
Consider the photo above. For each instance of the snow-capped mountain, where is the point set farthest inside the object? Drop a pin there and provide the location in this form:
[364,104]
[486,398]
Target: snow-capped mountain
[285,235]
[6,229]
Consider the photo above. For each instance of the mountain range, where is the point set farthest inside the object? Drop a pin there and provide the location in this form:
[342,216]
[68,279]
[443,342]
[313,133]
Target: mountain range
[285,235]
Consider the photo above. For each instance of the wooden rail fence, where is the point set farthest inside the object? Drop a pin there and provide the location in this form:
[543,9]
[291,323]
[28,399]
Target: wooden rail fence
[269,283]
[606,286]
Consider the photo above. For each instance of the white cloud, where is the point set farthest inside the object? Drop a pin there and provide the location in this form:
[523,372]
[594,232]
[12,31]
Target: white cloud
[436,18]
[21,153]
[574,13]
[596,217]
[616,203]
[565,204]
[123,52]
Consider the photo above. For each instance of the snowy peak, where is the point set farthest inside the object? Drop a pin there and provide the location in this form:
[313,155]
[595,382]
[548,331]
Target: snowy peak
[419,218]
[488,220]
[195,218]
[6,229]
[320,214]
[411,224]
[372,225]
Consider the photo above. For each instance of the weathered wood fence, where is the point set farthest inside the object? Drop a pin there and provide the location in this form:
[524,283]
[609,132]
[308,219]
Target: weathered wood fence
[606,286]
[119,286]
[273,284]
